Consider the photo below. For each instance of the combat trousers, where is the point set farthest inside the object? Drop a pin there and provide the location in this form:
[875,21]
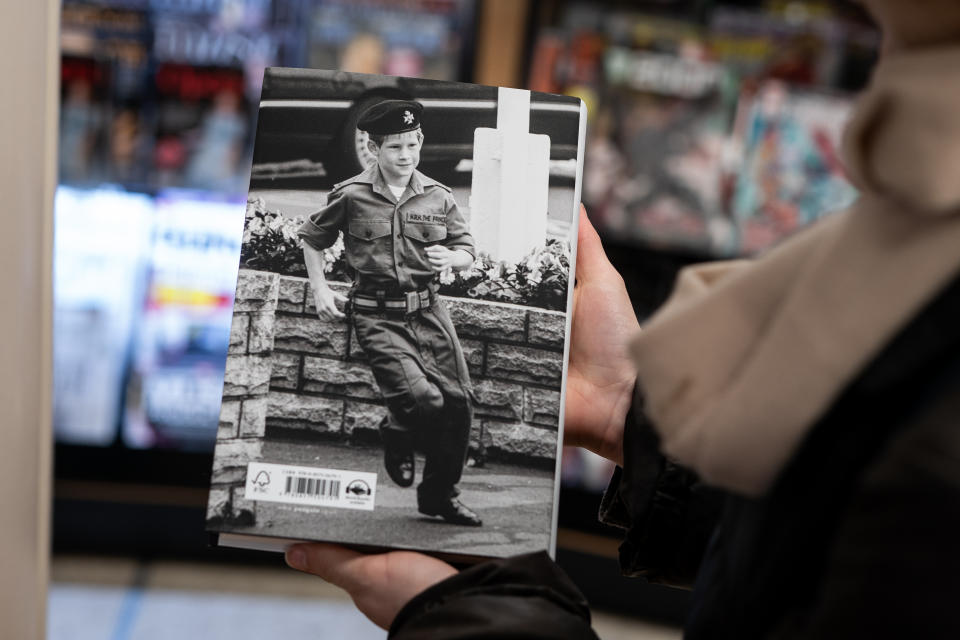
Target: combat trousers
[419,366]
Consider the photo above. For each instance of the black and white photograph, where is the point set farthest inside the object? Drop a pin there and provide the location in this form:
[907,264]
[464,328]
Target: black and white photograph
[398,346]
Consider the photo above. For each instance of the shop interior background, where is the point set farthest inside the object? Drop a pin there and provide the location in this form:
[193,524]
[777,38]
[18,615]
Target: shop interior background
[714,130]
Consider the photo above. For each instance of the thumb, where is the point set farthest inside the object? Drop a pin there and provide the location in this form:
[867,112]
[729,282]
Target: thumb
[592,261]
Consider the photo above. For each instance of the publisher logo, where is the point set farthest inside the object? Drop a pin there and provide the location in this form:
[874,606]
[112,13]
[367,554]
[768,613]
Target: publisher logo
[359,488]
[359,493]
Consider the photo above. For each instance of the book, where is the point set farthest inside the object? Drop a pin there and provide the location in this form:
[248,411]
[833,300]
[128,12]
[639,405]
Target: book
[790,173]
[398,349]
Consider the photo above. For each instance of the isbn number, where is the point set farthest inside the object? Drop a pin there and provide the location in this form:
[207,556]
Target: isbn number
[300,486]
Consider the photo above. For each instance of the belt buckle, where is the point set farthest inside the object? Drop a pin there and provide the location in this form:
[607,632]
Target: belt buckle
[413,301]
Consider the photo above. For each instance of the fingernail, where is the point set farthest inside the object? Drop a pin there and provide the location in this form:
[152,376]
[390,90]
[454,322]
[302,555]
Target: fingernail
[296,558]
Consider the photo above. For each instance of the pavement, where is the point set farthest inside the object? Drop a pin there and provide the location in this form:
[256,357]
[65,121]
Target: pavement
[514,502]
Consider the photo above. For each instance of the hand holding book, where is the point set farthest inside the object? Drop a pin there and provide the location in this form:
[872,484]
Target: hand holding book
[378,584]
[601,376]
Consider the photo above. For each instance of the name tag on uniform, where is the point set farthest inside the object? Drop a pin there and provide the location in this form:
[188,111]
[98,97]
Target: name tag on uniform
[429,218]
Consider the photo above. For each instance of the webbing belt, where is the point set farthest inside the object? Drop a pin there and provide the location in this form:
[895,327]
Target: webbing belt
[411,301]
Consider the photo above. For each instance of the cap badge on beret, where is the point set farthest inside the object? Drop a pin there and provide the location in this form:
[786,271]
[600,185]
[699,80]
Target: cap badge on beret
[391,116]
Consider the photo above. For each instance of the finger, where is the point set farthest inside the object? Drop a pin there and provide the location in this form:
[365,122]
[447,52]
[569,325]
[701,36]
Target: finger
[437,262]
[322,306]
[335,564]
[331,308]
[591,259]
[434,249]
[330,313]
[339,296]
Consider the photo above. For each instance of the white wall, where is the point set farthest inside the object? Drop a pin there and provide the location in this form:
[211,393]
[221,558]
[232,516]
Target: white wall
[29,70]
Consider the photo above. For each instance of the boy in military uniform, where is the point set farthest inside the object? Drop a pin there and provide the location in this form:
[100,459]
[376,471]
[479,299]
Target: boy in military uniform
[400,229]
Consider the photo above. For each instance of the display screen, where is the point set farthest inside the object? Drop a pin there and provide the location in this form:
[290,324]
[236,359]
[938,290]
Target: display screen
[180,343]
[102,243]
[158,109]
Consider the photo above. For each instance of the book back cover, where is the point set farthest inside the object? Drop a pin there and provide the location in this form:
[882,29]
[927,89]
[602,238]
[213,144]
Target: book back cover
[400,330]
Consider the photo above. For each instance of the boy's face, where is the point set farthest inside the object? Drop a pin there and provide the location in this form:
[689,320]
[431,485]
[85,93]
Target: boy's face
[398,156]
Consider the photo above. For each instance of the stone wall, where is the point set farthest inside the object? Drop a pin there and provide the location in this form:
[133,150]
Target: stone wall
[288,370]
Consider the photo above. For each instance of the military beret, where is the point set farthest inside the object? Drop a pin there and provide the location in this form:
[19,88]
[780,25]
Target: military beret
[391,116]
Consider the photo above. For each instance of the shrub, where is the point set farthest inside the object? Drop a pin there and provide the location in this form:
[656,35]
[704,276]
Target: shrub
[270,243]
[538,280]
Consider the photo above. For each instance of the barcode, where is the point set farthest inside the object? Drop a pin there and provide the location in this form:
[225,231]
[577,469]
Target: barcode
[311,486]
[300,486]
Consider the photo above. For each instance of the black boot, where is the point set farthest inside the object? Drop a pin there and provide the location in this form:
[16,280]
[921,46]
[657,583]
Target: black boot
[450,509]
[397,454]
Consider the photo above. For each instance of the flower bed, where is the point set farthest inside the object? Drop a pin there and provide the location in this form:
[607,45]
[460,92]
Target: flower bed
[270,243]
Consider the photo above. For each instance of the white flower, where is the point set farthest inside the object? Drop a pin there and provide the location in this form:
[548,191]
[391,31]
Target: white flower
[252,208]
[446,276]
[332,253]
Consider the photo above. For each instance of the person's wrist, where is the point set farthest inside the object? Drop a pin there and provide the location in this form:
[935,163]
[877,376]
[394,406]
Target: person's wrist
[613,434]
[462,259]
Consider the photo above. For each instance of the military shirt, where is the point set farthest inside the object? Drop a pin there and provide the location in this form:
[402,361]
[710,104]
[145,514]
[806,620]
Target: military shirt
[384,237]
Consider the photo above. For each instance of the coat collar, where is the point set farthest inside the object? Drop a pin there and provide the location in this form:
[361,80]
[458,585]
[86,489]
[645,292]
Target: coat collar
[374,177]
[903,143]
